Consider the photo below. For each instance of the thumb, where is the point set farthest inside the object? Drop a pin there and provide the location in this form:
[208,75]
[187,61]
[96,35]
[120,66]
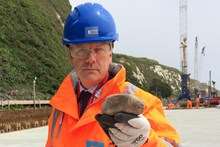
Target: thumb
[139,122]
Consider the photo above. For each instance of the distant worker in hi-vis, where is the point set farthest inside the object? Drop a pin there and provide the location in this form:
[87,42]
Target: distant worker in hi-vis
[189,104]
[95,106]
[197,102]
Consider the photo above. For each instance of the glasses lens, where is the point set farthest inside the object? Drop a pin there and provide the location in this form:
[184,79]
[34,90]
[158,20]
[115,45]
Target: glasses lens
[84,53]
[80,53]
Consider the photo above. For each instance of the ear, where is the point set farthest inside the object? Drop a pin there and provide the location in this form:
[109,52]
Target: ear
[111,45]
[110,56]
[111,50]
[69,54]
[71,59]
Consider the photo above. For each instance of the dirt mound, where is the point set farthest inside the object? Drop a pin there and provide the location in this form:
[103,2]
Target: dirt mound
[13,120]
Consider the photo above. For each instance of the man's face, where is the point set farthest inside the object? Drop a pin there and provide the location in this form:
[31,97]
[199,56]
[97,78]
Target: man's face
[91,62]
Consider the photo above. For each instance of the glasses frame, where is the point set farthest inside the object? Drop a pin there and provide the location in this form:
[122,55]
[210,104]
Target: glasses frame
[84,53]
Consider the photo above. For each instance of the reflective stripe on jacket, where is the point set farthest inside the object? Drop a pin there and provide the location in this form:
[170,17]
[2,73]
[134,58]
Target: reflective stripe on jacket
[66,129]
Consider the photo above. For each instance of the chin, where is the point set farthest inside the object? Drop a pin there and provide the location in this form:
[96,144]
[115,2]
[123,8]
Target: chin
[90,77]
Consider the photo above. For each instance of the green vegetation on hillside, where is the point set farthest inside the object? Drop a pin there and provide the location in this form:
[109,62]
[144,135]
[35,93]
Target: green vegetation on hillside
[141,72]
[30,45]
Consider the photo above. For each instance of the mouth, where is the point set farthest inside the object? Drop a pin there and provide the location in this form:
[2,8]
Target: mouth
[90,70]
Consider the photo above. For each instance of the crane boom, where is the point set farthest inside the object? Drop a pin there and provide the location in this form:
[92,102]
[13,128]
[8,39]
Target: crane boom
[196,74]
[185,93]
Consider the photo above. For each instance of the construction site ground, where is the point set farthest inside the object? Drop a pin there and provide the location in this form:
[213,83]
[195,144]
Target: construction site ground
[197,127]
[19,119]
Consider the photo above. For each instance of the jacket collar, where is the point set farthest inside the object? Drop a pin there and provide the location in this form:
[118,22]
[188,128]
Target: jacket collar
[65,98]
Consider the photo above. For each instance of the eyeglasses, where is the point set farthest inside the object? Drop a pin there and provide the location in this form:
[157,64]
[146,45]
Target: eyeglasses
[84,53]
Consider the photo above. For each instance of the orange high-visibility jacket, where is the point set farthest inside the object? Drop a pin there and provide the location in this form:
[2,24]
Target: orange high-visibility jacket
[66,129]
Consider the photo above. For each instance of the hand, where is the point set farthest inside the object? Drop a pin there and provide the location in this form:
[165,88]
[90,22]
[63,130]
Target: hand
[105,121]
[108,121]
[134,133]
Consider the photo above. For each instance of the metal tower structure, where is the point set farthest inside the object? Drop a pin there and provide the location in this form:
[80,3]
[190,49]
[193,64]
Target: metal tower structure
[185,93]
[196,68]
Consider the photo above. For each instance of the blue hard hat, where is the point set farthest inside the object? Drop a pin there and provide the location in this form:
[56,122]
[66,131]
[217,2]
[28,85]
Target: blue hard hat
[89,22]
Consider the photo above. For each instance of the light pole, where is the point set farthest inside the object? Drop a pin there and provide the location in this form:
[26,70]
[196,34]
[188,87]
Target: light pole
[34,91]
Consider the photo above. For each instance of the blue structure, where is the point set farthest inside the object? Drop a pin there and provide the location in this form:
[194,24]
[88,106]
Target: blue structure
[185,93]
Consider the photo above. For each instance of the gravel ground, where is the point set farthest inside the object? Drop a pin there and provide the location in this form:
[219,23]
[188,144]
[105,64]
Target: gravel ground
[197,127]
[14,120]
[26,138]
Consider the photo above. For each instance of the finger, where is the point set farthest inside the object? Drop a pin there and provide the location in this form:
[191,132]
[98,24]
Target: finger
[124,117]
[115,139]
[121,143]
[105,120]
[119,135]
[127,129]
[139,122]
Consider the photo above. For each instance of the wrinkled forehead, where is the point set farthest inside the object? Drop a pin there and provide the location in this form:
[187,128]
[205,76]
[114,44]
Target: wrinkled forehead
[90,45]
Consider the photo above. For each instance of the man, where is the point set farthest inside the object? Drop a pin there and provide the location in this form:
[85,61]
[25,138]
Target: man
[189,104]
[197,102]
[89,34]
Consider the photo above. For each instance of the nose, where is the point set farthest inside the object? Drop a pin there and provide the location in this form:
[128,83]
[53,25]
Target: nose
[91,57]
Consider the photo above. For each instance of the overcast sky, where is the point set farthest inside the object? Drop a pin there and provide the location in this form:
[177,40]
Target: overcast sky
[150,28]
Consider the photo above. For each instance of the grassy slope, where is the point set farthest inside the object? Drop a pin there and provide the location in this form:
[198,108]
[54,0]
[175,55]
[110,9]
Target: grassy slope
[30,45]
[144,65]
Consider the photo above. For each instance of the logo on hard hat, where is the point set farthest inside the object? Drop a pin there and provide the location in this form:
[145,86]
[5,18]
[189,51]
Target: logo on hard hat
[91,31]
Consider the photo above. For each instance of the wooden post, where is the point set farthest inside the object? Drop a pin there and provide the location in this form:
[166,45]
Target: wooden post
[39,103]
[34,91]
[8,104]
[2,103]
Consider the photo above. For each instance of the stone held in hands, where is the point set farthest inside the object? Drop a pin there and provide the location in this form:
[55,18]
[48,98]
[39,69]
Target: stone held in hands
[122,103]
